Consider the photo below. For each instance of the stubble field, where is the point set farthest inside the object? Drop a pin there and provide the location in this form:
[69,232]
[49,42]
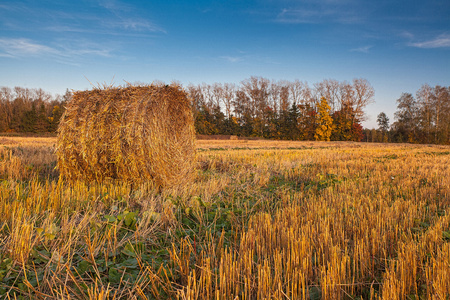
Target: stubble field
[262,220]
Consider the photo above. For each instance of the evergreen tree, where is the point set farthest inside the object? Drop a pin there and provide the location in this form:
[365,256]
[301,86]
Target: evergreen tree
[271,129]
[204,122]
[219,120]
[292,130]
[343,125]
[406,125]
[284,125]
[28,120]
[383,122]
[42,123]
[54,119]
[383,126]
[231,126]
[247,124]
[307,122]
[346,125]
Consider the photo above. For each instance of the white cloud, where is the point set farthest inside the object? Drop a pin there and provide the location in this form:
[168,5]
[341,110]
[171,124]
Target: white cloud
[442,41]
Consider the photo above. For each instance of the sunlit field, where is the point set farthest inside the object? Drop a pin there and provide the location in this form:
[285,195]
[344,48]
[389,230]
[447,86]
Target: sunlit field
[262,220]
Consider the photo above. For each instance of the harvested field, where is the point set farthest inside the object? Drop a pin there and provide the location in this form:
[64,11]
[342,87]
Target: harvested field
[261,220]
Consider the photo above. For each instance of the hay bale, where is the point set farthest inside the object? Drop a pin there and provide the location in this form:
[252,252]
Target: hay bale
[135,133]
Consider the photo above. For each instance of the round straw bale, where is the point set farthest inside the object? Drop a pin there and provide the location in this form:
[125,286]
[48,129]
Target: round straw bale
[135,133]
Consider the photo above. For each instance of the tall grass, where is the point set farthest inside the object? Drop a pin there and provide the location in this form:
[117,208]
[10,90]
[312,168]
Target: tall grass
[262,220]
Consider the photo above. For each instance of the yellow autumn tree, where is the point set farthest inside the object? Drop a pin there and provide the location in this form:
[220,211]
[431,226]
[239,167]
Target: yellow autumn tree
[324,121]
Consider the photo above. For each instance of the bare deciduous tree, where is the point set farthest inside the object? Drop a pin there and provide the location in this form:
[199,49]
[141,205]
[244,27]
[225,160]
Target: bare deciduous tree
[426,109]
[363,96]
[284,95]
[274,96]
[300,93]
[330,90]
[229,92]
[195,94]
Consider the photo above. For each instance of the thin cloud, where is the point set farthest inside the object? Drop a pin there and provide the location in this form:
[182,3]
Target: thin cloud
[88,51]
[115,6]
[407,35]
[65,28]
[110,18]
[364,49]
[206,10]
[134,25]
[105,30]
[18,48]
[127,18]
[12,7]
[232,59]
[79,48]
[320,12]
[24,47]
[442,41]
[6,55]
[248,59]
[300,16]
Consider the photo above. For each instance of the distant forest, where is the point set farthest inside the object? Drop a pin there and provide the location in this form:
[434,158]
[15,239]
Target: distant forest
[259,107]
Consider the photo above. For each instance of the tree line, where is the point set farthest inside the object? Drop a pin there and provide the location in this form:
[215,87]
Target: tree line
[423,118]
[285,110]
[260,107]
[24,110]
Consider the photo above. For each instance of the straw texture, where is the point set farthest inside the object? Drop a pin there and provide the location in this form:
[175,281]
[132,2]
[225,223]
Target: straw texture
[134,133]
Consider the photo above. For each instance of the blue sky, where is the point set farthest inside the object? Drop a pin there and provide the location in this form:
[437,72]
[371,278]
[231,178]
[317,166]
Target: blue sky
[396,45]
